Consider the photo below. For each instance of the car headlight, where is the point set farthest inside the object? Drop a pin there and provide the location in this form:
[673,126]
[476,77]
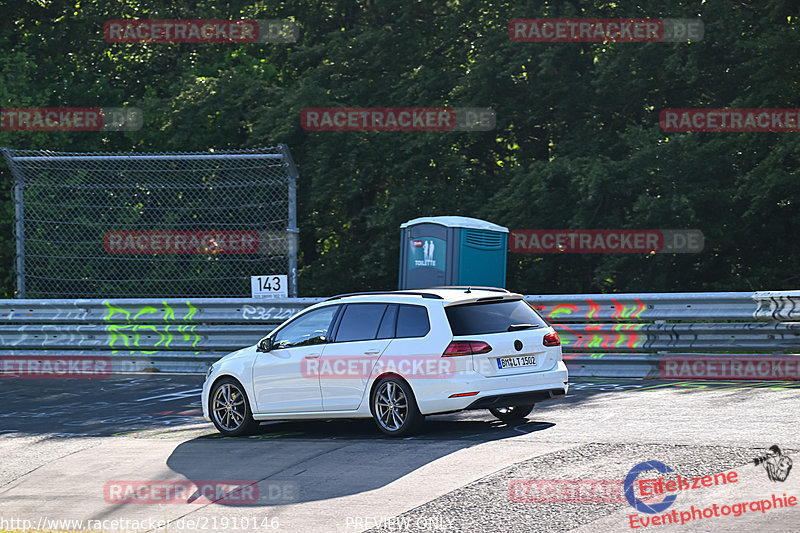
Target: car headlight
[210,370]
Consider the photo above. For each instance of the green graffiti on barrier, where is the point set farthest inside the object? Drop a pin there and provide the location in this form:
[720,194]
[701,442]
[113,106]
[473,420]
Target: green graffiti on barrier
[128,335]
[596,342]
[191,313]
[635,341]
[113,310]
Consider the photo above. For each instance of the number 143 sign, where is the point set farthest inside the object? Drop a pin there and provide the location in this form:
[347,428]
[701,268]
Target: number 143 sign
[273,286]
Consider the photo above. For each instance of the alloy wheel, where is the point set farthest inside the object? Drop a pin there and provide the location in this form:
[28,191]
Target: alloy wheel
[228,407]
[391,406]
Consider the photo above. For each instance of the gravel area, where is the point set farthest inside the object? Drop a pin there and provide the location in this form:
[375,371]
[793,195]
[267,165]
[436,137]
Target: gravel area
[486,506]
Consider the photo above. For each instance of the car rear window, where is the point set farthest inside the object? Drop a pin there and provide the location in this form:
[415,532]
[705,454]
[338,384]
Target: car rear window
[491,317]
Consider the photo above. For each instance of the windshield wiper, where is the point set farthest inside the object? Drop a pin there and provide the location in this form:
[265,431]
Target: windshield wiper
[517,327]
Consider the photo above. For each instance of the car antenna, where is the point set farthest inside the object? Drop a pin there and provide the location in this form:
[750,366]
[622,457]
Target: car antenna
[468,291]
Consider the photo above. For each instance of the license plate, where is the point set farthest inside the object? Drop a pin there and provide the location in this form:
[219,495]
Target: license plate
[514,362]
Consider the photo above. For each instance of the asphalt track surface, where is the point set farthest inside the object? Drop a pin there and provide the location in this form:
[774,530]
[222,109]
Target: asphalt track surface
[66,445]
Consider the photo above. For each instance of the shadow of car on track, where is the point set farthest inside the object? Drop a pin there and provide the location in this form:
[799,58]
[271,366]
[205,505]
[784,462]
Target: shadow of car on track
[300,461]
[122,404]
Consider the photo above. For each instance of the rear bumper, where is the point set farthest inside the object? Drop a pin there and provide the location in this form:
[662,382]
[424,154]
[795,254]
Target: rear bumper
[520,398]
[491,392]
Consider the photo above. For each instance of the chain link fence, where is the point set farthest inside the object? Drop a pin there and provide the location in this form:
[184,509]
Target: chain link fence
[154,224]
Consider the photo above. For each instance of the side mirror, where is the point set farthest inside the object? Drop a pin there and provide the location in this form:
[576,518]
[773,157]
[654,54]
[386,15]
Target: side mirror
[264,345]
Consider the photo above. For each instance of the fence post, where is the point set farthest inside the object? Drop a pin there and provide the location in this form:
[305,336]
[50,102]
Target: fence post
[292,229]
[19,224]
[19,234]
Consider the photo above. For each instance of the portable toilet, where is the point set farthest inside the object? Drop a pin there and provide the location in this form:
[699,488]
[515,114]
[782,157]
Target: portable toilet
[437,251]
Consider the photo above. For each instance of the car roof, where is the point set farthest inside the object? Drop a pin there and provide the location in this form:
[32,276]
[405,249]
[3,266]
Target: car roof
[447,295]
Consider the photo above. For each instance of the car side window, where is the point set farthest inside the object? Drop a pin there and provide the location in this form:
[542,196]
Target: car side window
[386,329]
[412,321]
[360,322]
[310,328]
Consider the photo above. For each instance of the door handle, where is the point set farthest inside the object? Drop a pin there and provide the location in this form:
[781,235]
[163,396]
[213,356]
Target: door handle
[312,356]
[372,352]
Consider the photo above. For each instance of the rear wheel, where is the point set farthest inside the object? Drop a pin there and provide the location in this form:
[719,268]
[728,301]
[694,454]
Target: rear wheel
[230,410]
[395,409]
[512,413]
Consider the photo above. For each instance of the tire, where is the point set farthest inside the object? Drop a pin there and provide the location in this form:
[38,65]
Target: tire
[394,408]
[512,412]
[230,409]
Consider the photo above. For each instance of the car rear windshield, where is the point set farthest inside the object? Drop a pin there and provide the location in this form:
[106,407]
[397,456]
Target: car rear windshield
[492,317]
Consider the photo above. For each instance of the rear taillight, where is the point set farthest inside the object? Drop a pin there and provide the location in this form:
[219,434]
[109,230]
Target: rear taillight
[551,339]
[466,348]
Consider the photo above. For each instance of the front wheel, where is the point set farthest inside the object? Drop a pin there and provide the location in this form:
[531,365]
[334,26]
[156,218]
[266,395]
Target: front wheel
[395,409]
[512,413]
[230,410]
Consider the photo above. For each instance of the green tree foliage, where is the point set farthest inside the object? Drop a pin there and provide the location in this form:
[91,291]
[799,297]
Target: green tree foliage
[577,142]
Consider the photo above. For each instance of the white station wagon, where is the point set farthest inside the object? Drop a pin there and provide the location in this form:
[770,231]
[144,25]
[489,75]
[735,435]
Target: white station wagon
[394,357]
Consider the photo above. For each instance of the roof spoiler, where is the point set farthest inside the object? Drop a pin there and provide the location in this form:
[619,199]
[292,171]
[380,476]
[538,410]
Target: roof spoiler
[470,288]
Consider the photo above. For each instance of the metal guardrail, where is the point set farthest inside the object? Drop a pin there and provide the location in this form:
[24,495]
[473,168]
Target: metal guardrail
[634,335]
[778,305]
[602,334]
[647,306]
[168,335]
[152,311]
[680,336]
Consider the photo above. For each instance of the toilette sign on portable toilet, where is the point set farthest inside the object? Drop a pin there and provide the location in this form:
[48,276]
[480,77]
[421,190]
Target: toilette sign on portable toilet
[452,250]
